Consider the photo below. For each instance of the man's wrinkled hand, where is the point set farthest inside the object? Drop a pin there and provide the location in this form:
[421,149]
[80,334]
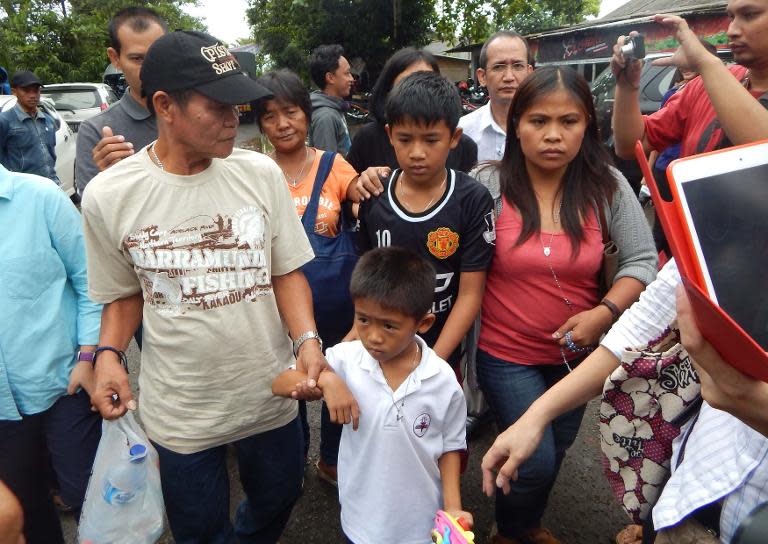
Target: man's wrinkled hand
[112,395]
[311,361]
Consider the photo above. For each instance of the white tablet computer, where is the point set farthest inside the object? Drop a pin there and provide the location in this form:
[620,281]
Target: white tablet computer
[723,198]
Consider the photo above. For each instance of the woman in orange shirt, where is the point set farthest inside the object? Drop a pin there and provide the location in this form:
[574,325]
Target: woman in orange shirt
[285,120]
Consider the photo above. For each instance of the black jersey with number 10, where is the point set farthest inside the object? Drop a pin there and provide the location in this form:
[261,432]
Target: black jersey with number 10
[456,234]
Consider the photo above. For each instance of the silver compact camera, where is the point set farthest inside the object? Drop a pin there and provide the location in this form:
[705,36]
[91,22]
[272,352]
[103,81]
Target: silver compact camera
[634,47]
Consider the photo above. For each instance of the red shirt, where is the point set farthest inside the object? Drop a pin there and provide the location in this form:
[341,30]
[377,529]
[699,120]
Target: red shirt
[522,305]
[688,117]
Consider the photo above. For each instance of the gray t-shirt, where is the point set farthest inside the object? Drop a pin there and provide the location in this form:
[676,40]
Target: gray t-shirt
[127,118]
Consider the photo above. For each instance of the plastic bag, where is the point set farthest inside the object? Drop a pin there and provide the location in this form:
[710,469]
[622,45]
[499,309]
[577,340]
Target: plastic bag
[124,501]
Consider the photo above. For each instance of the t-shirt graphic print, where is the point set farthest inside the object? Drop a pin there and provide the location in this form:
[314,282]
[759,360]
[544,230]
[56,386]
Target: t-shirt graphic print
[204,261]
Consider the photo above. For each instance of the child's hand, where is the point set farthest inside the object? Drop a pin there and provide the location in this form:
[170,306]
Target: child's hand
[342,406]
[303,391]
[463,516]
[81,376]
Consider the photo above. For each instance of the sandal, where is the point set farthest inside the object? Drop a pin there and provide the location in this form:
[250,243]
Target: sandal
[327,473]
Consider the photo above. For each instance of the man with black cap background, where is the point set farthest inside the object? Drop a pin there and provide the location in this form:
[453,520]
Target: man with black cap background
[203,241]
[28,135]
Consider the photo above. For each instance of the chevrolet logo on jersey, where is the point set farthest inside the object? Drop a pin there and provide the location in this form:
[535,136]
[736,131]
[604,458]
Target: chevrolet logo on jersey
[442,242]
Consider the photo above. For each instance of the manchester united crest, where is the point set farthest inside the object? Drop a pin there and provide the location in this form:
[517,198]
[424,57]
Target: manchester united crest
[443,242]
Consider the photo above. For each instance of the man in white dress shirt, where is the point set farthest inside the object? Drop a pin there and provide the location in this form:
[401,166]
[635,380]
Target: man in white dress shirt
[502,68]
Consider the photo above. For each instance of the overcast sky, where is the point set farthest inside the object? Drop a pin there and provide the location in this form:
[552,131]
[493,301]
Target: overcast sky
[226,18]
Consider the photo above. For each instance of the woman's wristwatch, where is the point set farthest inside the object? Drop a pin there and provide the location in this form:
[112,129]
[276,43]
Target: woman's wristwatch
[309,335]
[87,356]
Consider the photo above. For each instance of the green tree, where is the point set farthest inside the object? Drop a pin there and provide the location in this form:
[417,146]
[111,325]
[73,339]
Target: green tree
[288,30]
[66,40]
[472,21]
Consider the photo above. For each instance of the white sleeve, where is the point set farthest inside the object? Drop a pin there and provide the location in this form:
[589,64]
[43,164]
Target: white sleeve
[455,424]
[647,318]
[335,356]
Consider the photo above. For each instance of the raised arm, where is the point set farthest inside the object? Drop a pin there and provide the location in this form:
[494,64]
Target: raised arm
[628,125]
[742,117]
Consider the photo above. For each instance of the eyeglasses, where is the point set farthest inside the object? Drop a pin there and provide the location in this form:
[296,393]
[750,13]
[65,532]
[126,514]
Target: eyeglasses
[517,67]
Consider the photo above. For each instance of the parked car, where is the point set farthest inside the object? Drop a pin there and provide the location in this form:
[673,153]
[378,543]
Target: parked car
[65,144]
[115,79]
[655,81]
[76,102]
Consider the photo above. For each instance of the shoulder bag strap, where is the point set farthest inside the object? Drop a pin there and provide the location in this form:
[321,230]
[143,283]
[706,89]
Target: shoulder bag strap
[310,212]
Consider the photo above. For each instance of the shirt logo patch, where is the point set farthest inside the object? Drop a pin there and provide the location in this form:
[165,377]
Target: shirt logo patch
[421,424]
[443,242]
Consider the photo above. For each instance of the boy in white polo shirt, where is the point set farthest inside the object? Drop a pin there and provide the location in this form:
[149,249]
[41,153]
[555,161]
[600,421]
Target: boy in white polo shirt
[402,462]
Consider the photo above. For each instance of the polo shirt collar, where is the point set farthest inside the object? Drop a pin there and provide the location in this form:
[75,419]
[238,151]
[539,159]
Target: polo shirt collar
[6,183]
[428,366]
[135,111]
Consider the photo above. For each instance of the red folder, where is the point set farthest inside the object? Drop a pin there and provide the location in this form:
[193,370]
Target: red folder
[725,335]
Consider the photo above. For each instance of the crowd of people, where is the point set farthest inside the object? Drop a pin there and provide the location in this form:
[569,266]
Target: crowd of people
[480,240]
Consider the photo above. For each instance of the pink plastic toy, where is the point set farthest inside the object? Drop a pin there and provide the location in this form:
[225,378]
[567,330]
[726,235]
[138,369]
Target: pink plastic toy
[449,530]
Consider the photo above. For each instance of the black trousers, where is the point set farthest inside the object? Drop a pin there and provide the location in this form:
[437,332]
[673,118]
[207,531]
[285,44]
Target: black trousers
[66,436]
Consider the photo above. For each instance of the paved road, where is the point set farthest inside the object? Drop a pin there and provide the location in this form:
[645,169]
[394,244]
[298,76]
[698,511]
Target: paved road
[581,509]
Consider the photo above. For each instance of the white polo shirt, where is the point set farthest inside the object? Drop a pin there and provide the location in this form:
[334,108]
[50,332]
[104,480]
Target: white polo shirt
[389,480]
[487,134]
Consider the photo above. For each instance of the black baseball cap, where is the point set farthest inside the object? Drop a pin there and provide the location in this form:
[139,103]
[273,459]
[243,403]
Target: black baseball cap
[197,61]
[24,78]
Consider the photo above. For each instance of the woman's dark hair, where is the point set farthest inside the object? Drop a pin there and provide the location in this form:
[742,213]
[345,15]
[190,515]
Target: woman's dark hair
[288,89]
[395,66]
[588,181]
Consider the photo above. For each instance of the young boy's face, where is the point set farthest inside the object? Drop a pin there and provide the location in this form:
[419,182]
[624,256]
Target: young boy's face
[422,149]
[386,333]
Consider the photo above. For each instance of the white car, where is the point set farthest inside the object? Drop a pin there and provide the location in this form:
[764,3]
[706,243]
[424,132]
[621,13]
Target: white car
[77,102]
[65,143]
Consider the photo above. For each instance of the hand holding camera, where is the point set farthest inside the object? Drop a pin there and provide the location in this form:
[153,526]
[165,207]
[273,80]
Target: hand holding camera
[627,60]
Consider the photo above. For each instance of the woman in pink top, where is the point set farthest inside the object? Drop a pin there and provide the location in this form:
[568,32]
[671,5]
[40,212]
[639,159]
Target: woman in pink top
[541,311]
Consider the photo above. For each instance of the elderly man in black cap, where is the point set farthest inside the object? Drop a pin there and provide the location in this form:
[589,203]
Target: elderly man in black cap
[203,241]
[28,135]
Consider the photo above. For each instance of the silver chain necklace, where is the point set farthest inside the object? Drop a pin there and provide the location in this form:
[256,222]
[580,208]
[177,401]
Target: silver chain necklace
[155,158]
[295,181]
[414,364]
[547,252]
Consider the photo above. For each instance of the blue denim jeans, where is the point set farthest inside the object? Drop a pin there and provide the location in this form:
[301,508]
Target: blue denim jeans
[510,389]
[196,488]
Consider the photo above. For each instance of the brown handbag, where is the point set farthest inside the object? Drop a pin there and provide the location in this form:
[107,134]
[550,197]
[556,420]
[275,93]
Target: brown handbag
[610,256]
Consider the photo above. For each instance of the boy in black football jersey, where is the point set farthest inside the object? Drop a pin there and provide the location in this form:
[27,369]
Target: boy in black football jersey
[444,215]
